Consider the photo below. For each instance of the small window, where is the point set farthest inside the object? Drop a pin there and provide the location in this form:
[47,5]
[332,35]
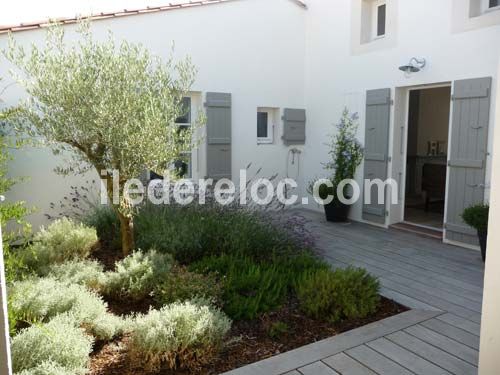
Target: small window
[265,125]
[183,167]
[185,118]
[494,3]
[381,18]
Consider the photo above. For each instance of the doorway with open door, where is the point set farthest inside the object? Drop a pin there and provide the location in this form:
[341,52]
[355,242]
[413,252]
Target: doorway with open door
[426,157]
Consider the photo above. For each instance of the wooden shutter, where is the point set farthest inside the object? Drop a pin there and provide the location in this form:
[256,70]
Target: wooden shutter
[378,109]
[468,151]
[218,107]
[294,126]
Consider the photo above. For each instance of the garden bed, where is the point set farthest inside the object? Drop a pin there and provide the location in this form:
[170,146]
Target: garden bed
[254,343]
[207,290]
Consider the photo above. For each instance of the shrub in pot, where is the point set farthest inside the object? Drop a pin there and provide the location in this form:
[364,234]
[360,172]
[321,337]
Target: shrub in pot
[477,217]
[346,154]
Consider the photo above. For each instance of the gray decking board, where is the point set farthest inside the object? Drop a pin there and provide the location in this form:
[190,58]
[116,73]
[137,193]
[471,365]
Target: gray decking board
[432,354]
[453,332]
[317,368]
[347,366]
[443,283]
[406,358]
[445,343]
[461,323]
[376,362]
[470,272]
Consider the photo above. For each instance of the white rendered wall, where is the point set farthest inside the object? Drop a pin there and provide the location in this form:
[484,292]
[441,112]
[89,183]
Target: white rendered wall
[253,49]
[338,74]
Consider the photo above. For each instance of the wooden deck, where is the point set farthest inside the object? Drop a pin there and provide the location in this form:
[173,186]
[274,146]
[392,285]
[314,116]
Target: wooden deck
[442,285]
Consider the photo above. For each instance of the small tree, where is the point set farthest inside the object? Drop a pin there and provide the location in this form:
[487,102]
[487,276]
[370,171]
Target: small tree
[114,107]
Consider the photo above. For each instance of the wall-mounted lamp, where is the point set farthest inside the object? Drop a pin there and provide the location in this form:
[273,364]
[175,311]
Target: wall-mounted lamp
[414,66]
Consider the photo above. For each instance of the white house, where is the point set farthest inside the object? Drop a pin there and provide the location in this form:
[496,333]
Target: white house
[279,73]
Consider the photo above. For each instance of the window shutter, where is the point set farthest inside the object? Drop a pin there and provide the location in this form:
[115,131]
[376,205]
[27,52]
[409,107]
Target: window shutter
[467,159]
[294,124]
[378,110]
[218,108]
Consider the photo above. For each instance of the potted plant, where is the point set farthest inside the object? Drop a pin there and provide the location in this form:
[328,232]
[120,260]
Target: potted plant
[477,217]
[346,155]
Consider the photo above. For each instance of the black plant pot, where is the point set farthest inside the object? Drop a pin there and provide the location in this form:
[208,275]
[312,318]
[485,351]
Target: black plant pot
[483,239]
[336,211]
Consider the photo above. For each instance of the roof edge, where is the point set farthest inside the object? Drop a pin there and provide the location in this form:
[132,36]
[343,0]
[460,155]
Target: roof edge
[123,13]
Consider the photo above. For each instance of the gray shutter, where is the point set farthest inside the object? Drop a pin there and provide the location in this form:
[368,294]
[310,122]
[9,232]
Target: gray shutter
[378,109]
[218,107]
[467,159]
[294,126]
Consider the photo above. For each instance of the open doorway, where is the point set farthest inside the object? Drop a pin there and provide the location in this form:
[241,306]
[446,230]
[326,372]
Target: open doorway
[426,157]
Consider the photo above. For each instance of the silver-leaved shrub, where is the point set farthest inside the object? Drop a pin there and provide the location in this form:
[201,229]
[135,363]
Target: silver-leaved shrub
[61,241]
[180,335]
[59,344]
[47,368]
[136,275]
[89,273]
[41,299]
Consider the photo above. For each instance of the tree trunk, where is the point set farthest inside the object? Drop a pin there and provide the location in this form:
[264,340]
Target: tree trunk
[127,233]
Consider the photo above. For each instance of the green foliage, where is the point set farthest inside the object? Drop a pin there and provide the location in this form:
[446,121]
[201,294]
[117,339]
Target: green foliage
[58,345]
[477,217]
[61,241]
[180,335]
[89,273]
[278,329]
[182,285]
[42,299]
[249,288]
[346,154]
[106,224]
[191,233]
[127,124]
[137,275]
[338,295]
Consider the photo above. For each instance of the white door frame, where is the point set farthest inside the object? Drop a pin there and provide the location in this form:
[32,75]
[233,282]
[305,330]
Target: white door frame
[396,214]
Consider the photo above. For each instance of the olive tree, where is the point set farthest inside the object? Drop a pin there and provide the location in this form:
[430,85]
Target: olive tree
[110,106]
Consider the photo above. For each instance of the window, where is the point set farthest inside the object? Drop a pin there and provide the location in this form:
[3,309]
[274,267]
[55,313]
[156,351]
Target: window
[266,118]
[381,16]
[182,167]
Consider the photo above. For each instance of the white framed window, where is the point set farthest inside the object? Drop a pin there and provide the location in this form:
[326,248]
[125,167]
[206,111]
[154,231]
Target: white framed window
[490,5]
[379,19]
[266,119]
[183,166]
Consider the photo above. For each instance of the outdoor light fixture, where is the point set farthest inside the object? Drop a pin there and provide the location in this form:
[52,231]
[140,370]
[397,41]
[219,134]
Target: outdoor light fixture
[414,66]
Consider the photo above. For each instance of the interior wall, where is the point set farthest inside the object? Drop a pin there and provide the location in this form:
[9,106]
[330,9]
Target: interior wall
[433,117]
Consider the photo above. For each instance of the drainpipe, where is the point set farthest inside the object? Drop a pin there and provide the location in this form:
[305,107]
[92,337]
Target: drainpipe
[489,359]
[5,361]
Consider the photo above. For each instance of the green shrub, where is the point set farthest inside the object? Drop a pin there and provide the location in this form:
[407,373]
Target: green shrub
[338,295]
[180,335]
[39,300]
[193,232]
[136,276]
[183,285]
[59,344]
[107,225]
[278,329]
[89,273]
[477,217]
[63,240]
[249,288]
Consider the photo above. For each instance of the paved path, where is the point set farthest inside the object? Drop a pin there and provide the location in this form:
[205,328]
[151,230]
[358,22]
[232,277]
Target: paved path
[442,285]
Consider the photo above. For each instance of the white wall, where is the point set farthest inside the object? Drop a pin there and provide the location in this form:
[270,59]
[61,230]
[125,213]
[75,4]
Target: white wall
[489,361]
[337,74]
[253,49]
